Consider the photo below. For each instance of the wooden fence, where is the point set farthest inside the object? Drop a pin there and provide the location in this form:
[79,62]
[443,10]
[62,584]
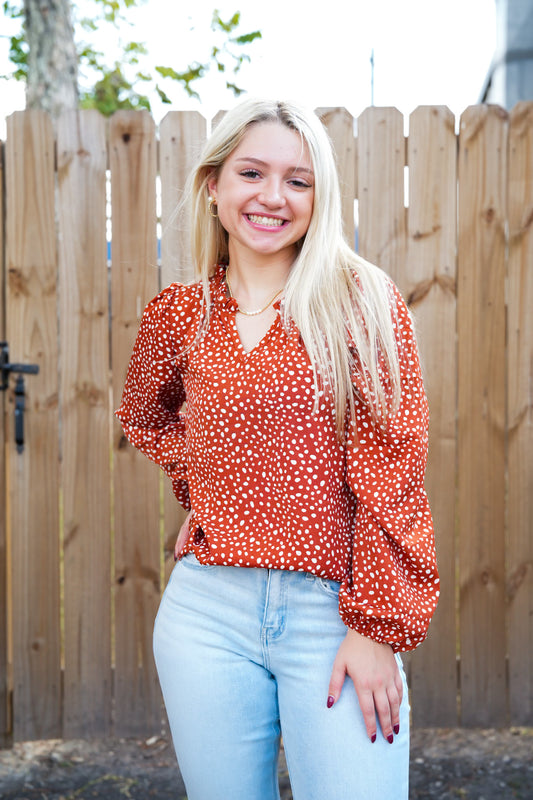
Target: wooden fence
[88,525]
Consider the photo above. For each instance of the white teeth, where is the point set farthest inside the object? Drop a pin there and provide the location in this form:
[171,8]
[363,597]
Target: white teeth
[271,221]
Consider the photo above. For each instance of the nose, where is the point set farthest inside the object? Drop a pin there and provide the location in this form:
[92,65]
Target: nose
[272,194]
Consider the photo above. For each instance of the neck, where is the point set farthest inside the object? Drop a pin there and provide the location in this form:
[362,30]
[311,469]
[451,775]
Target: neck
[254,278]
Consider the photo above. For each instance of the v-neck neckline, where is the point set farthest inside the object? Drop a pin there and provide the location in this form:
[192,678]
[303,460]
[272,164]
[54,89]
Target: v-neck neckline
[229,307]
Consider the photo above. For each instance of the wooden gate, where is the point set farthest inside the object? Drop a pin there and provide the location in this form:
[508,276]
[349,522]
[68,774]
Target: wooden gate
[88,525]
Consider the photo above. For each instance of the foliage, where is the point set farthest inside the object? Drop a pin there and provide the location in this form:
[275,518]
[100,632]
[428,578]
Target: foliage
[18,49]
[123,83]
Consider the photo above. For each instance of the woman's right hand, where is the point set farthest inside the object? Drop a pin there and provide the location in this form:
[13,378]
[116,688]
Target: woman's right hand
[183,535]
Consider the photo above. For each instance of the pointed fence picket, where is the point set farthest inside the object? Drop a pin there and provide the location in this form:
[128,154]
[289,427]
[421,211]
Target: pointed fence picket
[32,476]
[519,544]
[481,257]
[85,452]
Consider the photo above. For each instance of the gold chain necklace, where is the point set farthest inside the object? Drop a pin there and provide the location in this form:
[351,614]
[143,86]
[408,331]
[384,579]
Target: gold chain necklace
[250,313]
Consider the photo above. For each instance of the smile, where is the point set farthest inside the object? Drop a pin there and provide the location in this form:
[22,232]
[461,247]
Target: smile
[269,222]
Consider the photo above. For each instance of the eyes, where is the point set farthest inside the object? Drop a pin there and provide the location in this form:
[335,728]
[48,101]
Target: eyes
[252,174]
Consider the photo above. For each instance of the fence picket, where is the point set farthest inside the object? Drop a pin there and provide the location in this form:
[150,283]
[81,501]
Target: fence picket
[134,282]
[31,322]
[339,124]
[520,416]
[481,420]
[430,285]
[5,722]
[380,175]
[84,401]
[182,134]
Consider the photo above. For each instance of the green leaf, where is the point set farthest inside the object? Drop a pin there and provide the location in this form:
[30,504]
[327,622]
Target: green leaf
[18,55]
[88,24]
[162,96]
[218,24]
[193,72]
[168,72]
[93,58]
[13,10]
[114,92]
[247,38]
[136,47]
[237,91]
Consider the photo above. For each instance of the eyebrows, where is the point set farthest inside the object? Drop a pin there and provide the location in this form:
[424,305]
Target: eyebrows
[259,162]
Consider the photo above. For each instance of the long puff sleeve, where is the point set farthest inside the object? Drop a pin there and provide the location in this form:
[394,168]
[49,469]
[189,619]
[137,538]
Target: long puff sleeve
[393,586]
[154,393]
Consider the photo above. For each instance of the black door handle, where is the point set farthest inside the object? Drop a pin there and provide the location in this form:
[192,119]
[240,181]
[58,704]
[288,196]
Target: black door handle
[20,396]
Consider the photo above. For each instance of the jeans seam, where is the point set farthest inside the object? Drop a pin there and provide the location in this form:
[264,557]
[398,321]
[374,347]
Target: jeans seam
[264,627]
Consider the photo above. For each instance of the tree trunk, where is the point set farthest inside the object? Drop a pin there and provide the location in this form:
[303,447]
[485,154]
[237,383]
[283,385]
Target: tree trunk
[52,82]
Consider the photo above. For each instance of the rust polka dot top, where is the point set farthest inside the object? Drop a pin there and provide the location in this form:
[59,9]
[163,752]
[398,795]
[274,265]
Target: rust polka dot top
[261,467]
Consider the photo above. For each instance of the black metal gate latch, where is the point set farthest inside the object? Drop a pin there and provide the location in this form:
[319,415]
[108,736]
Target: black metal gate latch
[19,370]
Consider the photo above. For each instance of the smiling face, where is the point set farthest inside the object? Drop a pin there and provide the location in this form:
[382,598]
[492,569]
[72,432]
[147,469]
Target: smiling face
[264,193]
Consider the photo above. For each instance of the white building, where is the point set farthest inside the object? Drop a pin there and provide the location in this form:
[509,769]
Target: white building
[510,77]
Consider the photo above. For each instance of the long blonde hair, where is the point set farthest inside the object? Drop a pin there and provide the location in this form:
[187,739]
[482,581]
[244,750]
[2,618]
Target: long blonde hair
[340,303]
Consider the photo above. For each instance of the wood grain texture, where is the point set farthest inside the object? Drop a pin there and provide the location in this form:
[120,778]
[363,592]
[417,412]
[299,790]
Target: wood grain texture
[430,285]
[519,581]
[31,324]
[339,124]
[481,396]
[182,136]
[380,176]
[135,281]
[85,422]
[5,677]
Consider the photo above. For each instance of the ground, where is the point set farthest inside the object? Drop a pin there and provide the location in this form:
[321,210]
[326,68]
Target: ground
[445,765]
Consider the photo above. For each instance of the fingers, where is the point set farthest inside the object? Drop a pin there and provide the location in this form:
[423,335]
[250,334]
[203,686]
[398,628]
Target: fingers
[395,697]
[365,695]
[183,535]
[377,681]
[399,684]
[380,703]
[336,681]
[387,705]
[367,703]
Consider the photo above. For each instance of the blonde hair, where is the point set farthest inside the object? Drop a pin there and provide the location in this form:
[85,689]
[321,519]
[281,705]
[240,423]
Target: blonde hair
[340,303]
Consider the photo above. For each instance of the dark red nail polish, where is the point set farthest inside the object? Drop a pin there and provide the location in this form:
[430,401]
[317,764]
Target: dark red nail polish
[390,738]
[396,729]
[373,738]
[331,700]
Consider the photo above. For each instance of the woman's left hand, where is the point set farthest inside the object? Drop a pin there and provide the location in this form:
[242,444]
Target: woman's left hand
[376,677]
[183,535]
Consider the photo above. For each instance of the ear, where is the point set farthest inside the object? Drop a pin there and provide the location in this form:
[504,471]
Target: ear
[212,184]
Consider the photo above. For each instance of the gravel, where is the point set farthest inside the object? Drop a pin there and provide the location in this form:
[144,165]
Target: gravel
[445,765]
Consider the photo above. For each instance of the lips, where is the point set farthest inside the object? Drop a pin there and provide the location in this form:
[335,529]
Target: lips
[266,222]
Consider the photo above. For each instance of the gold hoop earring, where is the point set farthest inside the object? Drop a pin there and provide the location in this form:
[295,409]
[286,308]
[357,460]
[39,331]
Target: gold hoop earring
[210,204]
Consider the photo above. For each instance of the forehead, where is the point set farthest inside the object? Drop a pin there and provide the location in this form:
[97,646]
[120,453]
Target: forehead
[272,141]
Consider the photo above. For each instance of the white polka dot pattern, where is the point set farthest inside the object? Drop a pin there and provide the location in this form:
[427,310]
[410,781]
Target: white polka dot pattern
[269,482]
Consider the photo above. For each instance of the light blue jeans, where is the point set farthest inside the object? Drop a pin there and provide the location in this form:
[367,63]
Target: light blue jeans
[244,656]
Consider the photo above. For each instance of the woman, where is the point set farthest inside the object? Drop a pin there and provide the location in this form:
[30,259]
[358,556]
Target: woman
[306,563]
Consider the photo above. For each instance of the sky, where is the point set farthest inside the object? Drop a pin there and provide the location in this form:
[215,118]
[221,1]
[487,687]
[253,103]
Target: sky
[426,52]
